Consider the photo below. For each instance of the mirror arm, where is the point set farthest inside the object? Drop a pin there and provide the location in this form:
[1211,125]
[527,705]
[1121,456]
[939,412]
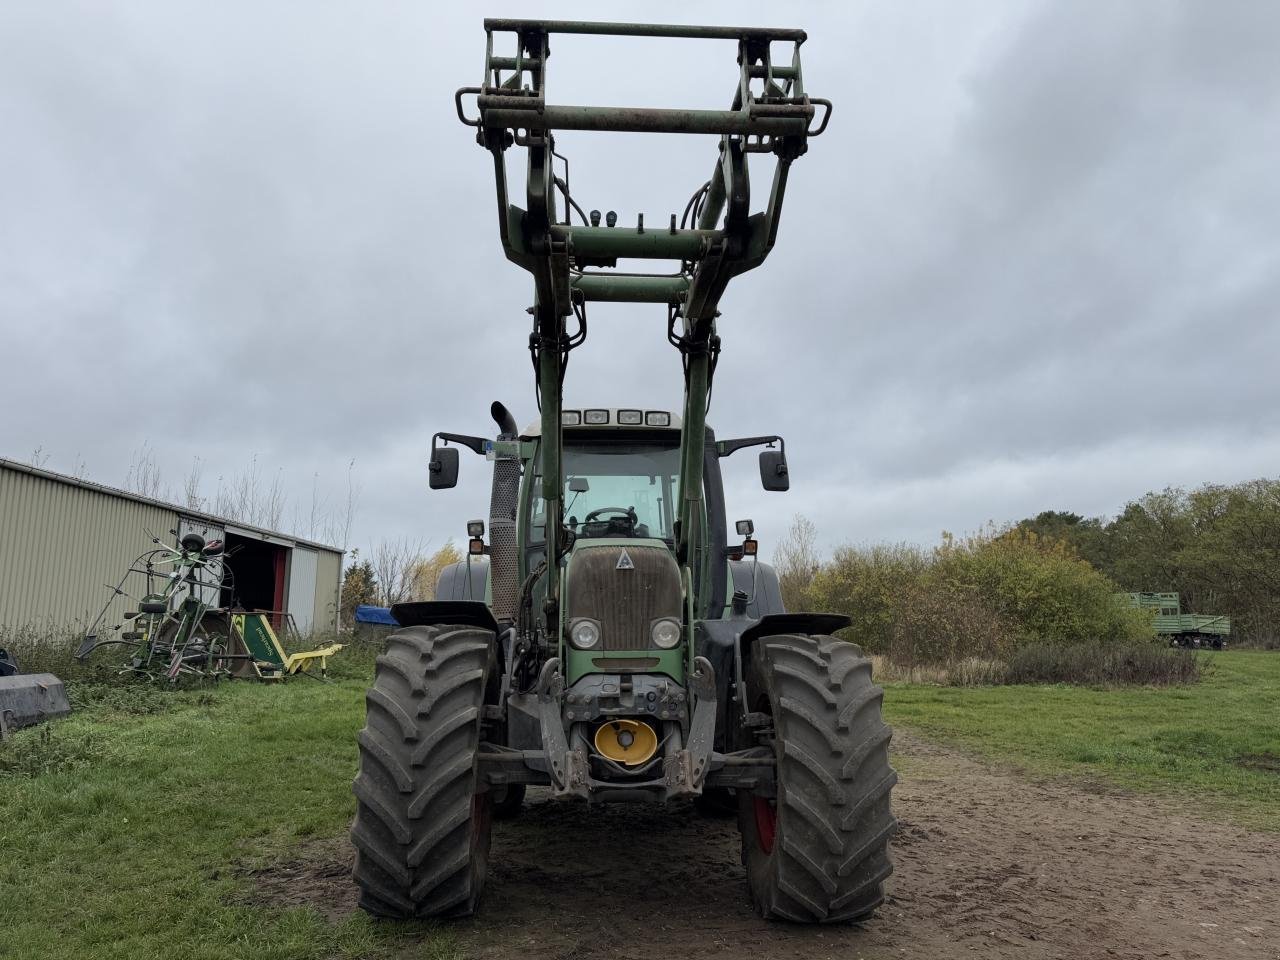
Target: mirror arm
[474,444]
[725,448]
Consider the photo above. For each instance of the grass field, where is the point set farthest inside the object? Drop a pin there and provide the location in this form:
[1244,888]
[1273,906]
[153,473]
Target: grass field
[132,839]
[128,830]
[1214,745]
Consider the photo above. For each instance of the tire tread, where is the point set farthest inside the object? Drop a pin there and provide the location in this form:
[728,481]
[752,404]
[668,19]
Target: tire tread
[831,854]
[416,855]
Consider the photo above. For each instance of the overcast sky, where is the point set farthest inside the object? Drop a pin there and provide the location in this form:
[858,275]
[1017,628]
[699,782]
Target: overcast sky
[1034,262]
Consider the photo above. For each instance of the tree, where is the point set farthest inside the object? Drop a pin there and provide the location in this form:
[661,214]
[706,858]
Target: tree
[797,562]
[1088,537]
[427,571]
[395,565]
[144,475]
[359,586]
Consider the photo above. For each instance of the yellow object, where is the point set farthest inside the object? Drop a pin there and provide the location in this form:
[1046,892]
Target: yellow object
[630,742]
[261,654]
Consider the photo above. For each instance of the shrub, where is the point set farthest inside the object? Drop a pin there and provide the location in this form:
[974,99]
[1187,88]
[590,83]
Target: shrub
[982,597]
[45,649]
[1041,587]
[867,583]
[1126,664]
[937,621]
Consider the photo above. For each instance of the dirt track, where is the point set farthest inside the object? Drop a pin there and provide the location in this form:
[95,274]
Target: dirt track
[989,864]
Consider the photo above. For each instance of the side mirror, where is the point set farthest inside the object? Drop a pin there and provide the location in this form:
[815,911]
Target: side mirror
[773,471]
[578,485]
[444,468]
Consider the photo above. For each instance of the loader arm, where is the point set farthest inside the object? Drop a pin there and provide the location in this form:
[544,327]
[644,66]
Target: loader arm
[574,264]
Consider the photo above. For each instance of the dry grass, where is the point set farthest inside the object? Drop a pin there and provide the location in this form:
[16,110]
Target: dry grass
[1089,665]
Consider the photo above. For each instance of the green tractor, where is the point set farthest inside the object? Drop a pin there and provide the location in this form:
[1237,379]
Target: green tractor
[609,641]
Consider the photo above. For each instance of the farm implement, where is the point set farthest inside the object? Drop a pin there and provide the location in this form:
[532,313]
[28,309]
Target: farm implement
[178,628]
[609,642]
[1181,629]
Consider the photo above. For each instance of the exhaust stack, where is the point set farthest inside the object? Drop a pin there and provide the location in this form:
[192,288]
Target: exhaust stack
[503,503]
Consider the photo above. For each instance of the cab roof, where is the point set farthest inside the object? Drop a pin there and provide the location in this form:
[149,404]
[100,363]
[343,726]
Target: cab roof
[607,418]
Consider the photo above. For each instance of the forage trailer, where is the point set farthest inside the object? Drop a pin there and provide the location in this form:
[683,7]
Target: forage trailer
[609,642]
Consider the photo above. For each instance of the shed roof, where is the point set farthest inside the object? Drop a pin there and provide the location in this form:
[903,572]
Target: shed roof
[176,507]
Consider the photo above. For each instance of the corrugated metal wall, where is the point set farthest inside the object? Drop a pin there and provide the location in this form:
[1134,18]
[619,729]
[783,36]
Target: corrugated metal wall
[60,545]
[328,578]
[302,589]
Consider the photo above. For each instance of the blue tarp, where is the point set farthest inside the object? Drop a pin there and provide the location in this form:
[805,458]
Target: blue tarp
[370,614]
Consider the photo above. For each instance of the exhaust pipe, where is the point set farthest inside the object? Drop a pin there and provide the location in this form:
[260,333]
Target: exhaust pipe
[503,505]
[507,429]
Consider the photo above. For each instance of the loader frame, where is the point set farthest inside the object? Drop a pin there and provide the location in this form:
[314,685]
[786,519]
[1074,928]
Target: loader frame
[716,239]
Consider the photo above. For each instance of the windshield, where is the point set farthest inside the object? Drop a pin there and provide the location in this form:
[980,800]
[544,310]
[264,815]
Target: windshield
[631,490]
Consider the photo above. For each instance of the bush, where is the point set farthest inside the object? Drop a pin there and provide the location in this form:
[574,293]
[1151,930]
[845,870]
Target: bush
[867,584]
[1003,606]
[1040,587]
[44,649]
[945,622]
[1086,664]
[1127,664]
[982,597]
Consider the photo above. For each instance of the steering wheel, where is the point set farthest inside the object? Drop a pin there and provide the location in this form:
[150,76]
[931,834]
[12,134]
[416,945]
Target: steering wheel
[594,514]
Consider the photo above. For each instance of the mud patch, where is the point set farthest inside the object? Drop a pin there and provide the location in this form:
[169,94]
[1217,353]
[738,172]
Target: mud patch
[1266,762]
[318,876]
[989,863]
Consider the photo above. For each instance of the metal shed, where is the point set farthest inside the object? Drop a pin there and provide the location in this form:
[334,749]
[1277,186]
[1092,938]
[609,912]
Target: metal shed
[63,540]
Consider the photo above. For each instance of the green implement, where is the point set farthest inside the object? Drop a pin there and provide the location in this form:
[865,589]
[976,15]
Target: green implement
[1181,629]
[256,650]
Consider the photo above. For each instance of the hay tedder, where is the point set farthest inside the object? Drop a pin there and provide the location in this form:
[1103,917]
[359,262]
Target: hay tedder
[180,630]
[609,642]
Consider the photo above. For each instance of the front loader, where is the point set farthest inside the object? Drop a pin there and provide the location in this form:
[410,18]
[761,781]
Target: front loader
[608,641]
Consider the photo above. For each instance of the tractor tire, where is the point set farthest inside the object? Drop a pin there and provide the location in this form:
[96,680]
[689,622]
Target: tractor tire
[421,830]
[819,851]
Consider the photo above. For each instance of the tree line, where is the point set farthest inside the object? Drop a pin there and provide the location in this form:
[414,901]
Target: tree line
[1217,546]
[1049,578]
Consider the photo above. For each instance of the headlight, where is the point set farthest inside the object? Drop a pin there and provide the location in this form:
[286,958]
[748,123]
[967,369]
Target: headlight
[584,634]
[665,634]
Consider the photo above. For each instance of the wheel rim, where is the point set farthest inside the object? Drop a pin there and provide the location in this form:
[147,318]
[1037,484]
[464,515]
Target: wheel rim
[766,823]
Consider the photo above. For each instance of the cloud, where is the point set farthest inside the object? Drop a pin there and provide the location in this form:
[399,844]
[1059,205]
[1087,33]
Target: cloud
[1034,240]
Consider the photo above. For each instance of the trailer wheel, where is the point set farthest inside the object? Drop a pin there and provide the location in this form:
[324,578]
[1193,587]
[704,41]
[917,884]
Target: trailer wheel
[421,830]
[819,851]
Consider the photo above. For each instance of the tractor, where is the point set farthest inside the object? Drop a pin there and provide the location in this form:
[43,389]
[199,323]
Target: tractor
[608,641]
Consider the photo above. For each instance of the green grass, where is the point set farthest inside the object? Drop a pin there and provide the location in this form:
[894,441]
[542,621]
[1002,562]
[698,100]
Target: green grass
[1213,746]
[127,830]
[126,835]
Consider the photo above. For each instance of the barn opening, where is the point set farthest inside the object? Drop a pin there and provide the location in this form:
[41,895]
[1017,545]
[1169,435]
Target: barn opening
[259,574]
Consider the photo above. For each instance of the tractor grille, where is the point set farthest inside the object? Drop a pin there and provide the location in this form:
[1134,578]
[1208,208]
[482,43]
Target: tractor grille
[625,602]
